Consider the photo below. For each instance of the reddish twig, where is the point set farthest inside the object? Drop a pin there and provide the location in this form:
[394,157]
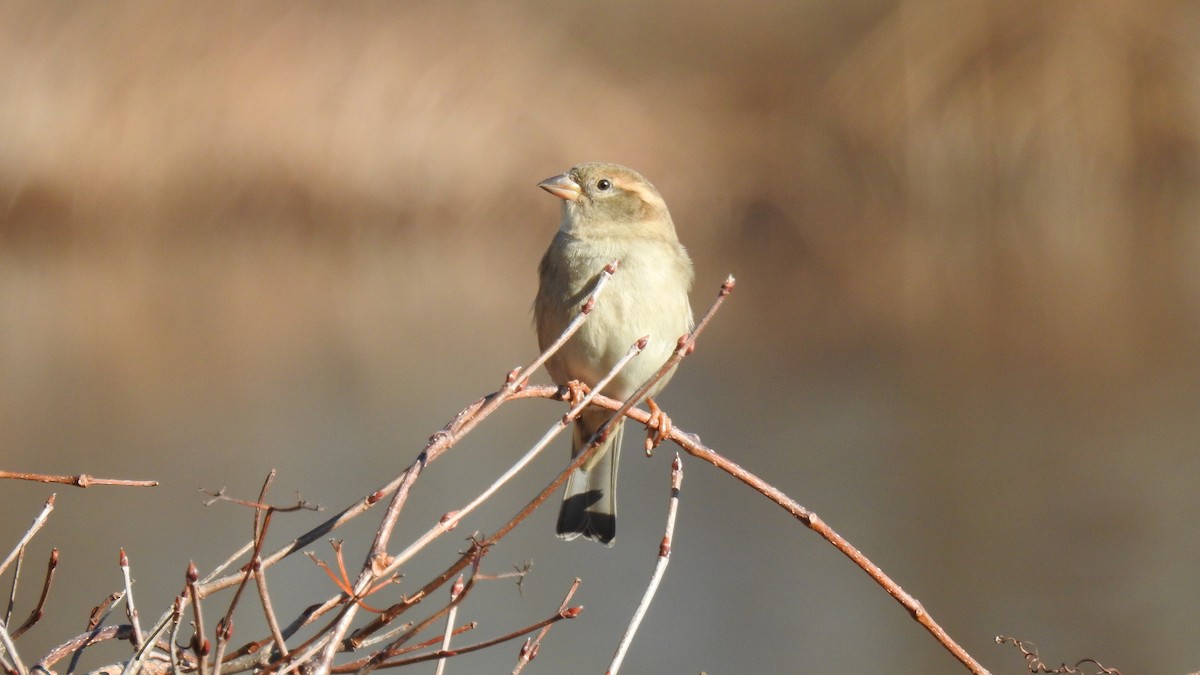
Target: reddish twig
[261,523]
[692,445]
[200,644]
[569,613]
[94,635]
[660,568]
[36,614]
[82,480]
[98,616]
[529,650]
[378,562]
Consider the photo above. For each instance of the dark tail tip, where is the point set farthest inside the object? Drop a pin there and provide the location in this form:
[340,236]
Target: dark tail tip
[575,519]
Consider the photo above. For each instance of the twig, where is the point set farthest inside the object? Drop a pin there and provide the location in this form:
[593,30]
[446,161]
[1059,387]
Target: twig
[692,445]
[82,480]
[12,591]
[77,643]
[463,422]
[1035,664]
[130,608]
[378,562]
[530,649]
[200,643]
[455,590]
[134,665]
[569,613]
[660,568]
[686,345]
[383,637]
[261,523]
[37,524]
[36,614]
[98,616]
[6,641]
[260,581]
[394,648]
[177,615]
[466,627]
[451,520]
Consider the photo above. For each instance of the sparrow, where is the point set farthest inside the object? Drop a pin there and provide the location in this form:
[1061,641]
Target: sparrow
[609,212]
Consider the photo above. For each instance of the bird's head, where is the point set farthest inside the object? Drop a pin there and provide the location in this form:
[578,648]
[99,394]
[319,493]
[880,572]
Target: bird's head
[605,196]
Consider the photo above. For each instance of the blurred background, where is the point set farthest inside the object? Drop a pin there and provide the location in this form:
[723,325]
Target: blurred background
[236,237]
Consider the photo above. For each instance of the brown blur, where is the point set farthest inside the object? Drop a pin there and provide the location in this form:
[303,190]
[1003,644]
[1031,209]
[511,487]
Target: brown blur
[237,236]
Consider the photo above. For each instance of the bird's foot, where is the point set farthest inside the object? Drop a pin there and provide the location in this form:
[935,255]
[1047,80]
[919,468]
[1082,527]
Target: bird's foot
[658,427]
[575,391]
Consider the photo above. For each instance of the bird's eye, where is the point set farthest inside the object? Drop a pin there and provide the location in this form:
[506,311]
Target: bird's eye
[603,184]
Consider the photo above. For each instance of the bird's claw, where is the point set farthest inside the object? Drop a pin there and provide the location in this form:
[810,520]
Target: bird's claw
[658,427]
[576,390]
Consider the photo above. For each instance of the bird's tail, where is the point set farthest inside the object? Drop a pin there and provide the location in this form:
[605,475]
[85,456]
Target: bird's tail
[590,504]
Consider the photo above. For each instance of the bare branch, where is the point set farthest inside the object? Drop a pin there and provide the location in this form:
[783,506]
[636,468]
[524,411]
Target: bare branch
[82,480]
[200,645]
[36,614]
[529,650]
[660,568]
[37,524]
[455,591]
[11,649]
[692,445]
[569,613]
[130,607]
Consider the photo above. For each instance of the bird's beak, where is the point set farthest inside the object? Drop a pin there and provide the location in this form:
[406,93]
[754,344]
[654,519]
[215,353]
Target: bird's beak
[561,186]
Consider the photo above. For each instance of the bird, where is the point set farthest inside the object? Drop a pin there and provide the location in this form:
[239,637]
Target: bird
[609,213]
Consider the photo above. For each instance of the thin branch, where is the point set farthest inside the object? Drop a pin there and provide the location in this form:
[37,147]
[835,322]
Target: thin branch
[82,480]
[660,568]
[692,445]
[96,618]
[7,643]
[1035,664]
[378,557]
[261,523]
[200,643]
[12,591]
[259,531]
[685,346]
[38,522]
[451,520]
[529,650]
[79,642]
[260,580]
[455,591]
[569,613]
[36,614]
[134,665]
[460,425]
[130,608]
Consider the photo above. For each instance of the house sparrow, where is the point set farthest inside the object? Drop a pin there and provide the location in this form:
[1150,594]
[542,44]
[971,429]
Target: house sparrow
[609,212]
